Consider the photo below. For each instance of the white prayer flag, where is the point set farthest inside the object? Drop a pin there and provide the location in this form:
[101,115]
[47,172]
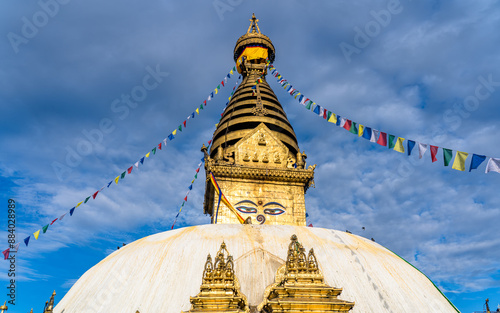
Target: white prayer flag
[493,165]
[374,136]
[422,147]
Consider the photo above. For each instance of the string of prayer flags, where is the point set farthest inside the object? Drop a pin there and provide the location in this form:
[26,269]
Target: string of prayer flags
[383,138]
[158,147]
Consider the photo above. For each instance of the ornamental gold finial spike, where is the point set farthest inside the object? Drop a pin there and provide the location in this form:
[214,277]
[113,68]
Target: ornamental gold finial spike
[254,27]
[4,307]
[49,305]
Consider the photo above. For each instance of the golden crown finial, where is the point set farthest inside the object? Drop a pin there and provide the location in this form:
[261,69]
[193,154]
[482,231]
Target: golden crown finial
[254,27]
[4,307]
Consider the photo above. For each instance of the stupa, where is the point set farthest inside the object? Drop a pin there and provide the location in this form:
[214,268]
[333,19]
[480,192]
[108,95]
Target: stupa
[270,263]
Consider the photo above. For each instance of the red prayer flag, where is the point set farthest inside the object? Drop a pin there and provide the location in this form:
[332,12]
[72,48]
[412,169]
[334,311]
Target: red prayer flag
[130,169]
[310,225]
[325,114]
[222,82]
[6,254]
[53,221]
[210,141]
[382,139]
[434,150]
[159,146]
[347,124]
[95,194]
[205,102]
[184,124]
[197,170]
[186,198]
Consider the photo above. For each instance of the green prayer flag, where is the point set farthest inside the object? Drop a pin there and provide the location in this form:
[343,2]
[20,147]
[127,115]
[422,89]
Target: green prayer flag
[447,155]
[328,115]
[391,141]
[308,105]
[234,68]
[87,199]
[354,128]
[44,228]
[201,106]
[180,128]
[154,150]
[196,176]
[218,87]
[123,176]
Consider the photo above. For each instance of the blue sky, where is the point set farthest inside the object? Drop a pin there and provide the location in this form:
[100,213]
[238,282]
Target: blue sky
[410,70]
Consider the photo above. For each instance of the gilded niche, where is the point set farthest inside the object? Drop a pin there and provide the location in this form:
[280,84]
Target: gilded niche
[220,289]
[300,286]
[260,148]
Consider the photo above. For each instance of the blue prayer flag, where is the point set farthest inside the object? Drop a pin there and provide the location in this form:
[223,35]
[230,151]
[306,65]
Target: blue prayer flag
[26,240]
[171,137]
[142,160]
[476,161]
[317,109]
[411,144]
[367,133]
[338,120]
[109,183]
[71,211]
[191,187]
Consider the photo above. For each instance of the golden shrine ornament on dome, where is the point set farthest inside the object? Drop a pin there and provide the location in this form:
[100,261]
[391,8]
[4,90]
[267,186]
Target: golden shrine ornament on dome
[300,286]
[220,289]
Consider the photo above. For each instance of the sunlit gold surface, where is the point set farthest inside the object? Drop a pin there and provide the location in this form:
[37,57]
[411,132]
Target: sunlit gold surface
[300,286]
[220,289]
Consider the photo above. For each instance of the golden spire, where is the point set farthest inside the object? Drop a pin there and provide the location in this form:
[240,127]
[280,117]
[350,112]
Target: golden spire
[253,25]
[3,307]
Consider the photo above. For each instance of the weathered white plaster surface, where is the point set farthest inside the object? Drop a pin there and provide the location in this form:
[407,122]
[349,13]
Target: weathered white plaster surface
[160,272]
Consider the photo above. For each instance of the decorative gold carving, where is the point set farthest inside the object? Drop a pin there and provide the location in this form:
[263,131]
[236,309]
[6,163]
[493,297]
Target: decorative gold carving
[300,286]
[277,158]
[246,157]
[262,139]
[4,307]
[228,157]
[220,289]
[49,305]
[301,159]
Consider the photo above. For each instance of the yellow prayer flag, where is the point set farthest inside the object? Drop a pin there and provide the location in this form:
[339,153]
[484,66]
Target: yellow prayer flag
[116,179]
[216,91]
[229,98]
[36,234]
[231,72]
[198,111]
[459,163]
[78,204]
[361,128]
[333,118]
[216,125]
[297,95]
[147,154]
[174,132]
[399,145]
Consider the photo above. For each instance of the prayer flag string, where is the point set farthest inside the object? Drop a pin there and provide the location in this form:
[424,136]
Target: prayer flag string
[160,146]
[383,138]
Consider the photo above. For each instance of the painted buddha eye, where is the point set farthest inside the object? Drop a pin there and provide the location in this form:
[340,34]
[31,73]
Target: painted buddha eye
[246,209]
[274,211]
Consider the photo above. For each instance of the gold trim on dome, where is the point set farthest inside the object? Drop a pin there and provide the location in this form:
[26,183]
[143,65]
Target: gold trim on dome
[220,289]
[300,286]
